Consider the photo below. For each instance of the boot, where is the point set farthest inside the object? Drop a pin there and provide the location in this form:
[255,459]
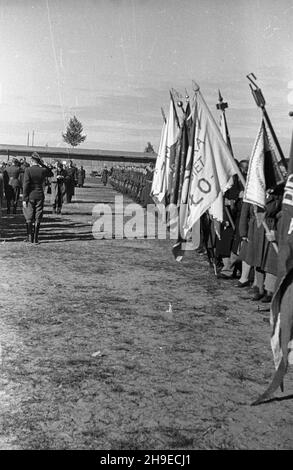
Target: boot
[36,234]
[29,232]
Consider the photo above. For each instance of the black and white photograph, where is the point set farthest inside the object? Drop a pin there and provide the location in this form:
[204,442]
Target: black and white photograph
[146,227]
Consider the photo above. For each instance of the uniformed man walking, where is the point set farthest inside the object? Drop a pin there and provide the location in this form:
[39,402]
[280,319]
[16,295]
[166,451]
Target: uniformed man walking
[33,196]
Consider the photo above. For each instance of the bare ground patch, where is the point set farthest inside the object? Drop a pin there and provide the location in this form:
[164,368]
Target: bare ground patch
[94,358]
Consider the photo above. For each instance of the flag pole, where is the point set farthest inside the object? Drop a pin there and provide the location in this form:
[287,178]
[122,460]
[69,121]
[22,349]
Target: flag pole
[260,102]
[173,102]
[221,105]
[259,98]
[163,115]
[216,129]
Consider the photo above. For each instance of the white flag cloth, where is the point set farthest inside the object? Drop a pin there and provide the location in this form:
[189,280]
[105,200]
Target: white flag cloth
[213,165]
[217,208]
[255,188]
[166,157]
[157,184]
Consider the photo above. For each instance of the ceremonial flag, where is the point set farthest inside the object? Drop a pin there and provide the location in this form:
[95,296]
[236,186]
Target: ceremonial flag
[263,172]
[188,129]
[180,160]
[212,165]
[165,163]
[225,132]
[160,167]
[173,129]
[217,208]
[281,307]
[184,242]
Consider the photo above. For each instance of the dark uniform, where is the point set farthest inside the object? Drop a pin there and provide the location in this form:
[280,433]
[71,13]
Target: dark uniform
[57,189]
[80,177]
[1,192]
[23,166]
[105,176]
[13,187]
[70,182]
[33,195]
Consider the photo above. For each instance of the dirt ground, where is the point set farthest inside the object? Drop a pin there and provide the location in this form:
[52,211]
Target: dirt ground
[92,357]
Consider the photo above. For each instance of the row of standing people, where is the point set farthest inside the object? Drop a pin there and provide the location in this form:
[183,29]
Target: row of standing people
[245,248]
[62,184]
[135,182]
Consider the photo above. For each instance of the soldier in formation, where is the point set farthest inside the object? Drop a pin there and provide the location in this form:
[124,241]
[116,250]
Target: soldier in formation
[133,181]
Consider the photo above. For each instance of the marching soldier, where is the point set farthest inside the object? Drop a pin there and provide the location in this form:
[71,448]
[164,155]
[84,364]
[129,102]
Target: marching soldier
[33,196]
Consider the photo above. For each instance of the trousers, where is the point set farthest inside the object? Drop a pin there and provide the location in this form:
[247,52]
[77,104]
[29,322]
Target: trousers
[33,212]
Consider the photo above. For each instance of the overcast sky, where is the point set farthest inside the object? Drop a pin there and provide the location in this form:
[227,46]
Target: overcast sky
[112,63]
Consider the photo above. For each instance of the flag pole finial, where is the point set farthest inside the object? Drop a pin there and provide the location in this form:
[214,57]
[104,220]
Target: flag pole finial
[221,105]
[195,86]
[256,91]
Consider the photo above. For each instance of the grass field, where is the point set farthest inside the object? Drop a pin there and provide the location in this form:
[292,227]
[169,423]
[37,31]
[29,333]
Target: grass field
[92,357]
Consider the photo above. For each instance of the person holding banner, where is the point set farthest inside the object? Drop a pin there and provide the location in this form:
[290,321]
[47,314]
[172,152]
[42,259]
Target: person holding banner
[270,257]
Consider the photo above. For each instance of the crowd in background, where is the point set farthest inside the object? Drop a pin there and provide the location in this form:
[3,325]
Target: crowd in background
[60,186]
[135,182]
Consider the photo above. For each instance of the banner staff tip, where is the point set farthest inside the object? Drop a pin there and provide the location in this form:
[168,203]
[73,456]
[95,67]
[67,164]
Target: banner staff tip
[195,86]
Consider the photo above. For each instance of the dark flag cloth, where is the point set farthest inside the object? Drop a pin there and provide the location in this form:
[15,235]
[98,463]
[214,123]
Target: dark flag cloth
[188,114]
[186,139]
[185,169]
[172,145]
[282,302]
[263,172]
[180,159]
[272,171]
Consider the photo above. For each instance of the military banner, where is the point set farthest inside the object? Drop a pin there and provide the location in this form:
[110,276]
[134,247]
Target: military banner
[263,171]
[165,163]
[212,165]
[160,168]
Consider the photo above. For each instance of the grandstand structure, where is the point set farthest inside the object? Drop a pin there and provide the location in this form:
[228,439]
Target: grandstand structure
[85,157]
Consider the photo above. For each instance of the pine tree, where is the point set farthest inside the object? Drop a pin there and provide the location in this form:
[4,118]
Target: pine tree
[73,134]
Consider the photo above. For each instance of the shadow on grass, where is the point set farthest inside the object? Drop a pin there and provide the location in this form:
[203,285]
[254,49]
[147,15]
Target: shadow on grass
[277,399]
[52,229]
